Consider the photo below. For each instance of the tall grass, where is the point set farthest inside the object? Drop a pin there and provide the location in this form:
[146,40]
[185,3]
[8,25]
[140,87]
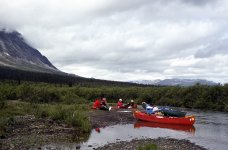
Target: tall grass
[74,115]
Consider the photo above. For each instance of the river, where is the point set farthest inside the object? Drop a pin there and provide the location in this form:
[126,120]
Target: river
[210,131]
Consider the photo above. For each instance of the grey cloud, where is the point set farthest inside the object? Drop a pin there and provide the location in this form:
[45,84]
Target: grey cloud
[216,47]
[200,2]
[133,37]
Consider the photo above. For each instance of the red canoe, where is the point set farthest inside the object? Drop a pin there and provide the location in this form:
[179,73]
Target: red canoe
[187,120]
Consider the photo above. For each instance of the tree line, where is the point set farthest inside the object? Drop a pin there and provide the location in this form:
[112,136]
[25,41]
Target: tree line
[197,96]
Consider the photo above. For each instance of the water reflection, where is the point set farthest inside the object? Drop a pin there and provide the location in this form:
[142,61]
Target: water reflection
[190,129]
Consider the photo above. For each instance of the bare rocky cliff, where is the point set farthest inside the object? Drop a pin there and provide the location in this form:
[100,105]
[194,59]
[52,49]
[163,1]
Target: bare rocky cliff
[16,53]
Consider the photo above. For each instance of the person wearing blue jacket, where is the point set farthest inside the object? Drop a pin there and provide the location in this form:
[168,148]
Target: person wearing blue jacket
[149,109]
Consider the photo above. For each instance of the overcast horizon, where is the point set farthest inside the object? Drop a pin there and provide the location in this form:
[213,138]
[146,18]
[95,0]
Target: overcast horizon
[126,40]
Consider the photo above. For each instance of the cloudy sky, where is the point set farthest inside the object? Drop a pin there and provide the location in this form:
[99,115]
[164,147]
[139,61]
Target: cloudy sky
[126,39]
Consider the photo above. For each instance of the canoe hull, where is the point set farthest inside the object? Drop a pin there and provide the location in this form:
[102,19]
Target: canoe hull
[187,120]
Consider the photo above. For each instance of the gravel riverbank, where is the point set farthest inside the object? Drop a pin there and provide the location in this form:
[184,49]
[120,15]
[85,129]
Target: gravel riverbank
[162,144]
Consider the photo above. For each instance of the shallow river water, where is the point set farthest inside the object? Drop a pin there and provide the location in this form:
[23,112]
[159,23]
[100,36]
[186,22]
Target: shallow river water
[209,131]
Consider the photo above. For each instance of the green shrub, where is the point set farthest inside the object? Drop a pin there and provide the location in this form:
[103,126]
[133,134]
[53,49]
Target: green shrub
[58,112]
[79,119]
[74,115]
[2,97]
[148,147]
[72,98]
[25,91]
[7,92]
[2,127]
[40,111]
[6,125]
[226,107]
[2,104]
[44,95]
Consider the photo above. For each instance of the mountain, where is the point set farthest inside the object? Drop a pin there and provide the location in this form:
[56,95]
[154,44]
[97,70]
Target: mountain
[186,82]
[16,53]
[175,82]
[147,82]
[21,62]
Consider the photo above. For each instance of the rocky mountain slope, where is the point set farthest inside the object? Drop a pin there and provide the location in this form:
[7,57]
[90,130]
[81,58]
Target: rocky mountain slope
[16,53]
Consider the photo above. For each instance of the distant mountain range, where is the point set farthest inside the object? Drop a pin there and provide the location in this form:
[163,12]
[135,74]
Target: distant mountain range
[16,53]
[174,82]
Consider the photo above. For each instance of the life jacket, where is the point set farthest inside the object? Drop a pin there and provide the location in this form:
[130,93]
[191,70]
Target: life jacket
[119,104]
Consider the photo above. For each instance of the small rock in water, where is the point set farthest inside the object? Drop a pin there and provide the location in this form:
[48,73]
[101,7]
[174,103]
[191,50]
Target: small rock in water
[12,146]
[52,148]
[90,145]
[98,130]
[78,147]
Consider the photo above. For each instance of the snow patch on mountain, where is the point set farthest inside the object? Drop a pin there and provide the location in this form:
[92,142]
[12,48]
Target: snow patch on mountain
[174,82]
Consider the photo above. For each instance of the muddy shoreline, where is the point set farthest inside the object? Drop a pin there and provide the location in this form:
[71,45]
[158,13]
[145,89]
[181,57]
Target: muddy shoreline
[101,119]
[30,132]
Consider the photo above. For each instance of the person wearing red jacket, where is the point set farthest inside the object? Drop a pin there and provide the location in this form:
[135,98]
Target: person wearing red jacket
[97,104]
[120,104]
[101,104]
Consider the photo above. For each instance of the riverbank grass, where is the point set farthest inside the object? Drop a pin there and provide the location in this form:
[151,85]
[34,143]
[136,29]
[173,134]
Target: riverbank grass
[74,115]
[148,147]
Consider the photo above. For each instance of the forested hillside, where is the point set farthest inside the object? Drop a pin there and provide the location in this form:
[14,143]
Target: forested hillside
[17,75]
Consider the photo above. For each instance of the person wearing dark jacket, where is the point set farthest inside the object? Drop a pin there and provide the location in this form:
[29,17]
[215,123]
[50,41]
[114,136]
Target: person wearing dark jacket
[104,105]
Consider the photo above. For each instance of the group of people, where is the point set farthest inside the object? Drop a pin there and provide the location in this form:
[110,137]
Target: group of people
[120,104]
[101,103]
